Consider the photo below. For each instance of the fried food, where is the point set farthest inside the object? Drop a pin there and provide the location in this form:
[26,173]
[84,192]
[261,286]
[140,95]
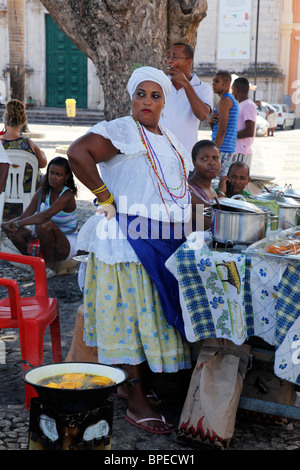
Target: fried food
[100,380]
[76,381]
[276,249]
[52,385]
[74,376]
[71,384]
[285,247]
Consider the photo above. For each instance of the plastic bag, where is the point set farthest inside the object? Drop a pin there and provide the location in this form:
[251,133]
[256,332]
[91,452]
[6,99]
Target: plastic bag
[283,244]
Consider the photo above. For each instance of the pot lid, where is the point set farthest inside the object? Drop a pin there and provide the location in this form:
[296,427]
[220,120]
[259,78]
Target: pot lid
[290,192]
[239,202]
[279,197]
[262,178]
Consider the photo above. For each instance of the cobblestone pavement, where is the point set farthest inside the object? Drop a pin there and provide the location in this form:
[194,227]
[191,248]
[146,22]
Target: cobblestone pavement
[14,418]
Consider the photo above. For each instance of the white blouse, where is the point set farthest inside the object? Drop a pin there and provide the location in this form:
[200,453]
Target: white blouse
[131,179]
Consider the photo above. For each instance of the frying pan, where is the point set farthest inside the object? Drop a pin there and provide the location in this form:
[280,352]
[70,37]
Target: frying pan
[72,400]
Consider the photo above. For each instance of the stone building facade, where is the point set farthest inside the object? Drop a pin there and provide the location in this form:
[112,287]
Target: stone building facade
[290,51]
[36,46]
[213,32]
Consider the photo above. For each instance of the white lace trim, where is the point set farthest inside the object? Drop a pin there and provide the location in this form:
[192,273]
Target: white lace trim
[97,236]
[122,133]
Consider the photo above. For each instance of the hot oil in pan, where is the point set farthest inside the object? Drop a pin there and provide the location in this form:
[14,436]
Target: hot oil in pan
[76,381]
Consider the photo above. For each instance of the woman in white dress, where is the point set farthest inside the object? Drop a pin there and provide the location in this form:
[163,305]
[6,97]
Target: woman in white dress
[131,303]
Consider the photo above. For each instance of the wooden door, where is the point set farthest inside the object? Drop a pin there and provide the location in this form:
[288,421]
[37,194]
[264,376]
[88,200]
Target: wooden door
[66,69]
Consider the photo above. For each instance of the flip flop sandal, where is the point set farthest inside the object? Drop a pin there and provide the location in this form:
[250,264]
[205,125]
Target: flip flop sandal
[138,424]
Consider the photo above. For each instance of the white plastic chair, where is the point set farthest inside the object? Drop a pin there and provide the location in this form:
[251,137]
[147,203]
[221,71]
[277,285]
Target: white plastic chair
[14,190]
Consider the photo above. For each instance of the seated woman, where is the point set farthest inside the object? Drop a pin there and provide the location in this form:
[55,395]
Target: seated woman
[55,219]
[235,181]
[207,164]
[14,119]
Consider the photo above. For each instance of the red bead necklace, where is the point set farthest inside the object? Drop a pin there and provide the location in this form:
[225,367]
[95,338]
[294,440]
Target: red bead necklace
[152,158]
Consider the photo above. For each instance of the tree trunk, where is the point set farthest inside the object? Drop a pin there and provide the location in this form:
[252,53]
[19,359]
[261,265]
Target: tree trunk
[118,35]
[16,31]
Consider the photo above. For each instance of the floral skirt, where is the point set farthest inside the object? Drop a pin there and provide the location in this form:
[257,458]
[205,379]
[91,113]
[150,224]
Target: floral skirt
[124,319]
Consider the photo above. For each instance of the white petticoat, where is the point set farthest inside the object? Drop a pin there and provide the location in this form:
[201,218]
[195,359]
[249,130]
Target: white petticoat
[73,250]
[104,238]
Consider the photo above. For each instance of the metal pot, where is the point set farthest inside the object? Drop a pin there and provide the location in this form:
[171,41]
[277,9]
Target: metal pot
[71,400]
[238,227]
[289,216]
[289,208]
[288,191]
[238,203]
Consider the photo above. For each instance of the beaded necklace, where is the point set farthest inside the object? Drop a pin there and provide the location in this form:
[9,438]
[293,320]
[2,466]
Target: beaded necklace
[152,158]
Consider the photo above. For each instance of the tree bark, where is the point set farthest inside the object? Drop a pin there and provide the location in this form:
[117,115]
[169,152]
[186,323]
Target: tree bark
[16,32]
[118,35]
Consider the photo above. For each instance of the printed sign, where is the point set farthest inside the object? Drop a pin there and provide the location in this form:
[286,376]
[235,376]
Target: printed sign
[234,30]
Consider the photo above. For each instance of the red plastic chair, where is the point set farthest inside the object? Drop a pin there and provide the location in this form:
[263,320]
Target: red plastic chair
[31,315]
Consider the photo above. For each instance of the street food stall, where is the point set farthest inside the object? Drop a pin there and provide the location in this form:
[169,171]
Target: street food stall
[232,294]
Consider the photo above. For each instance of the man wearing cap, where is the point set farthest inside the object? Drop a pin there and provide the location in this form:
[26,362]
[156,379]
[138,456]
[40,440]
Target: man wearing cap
[190,100]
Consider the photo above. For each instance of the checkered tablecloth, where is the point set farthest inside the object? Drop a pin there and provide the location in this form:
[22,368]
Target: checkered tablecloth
[267,305]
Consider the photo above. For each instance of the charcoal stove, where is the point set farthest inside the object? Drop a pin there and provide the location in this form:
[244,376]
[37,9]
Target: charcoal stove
[52,429]
[70,418]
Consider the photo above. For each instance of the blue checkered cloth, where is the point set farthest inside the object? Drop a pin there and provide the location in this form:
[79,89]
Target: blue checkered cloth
[248,299]
[288,301]
[193,291]
[194,294]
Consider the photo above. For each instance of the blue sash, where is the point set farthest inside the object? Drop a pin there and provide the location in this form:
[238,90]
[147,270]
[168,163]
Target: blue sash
[154,242]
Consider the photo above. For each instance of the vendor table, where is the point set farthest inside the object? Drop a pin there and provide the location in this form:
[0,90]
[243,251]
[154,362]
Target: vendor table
[234,296]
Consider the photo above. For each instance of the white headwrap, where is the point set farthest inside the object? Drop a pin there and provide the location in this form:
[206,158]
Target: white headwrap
[146,73]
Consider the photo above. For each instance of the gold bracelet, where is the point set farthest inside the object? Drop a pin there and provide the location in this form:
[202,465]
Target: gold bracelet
[94,191]
[108,202]
[102,190]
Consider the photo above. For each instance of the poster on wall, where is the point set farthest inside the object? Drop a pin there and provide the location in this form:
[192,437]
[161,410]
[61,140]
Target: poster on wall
[234,30]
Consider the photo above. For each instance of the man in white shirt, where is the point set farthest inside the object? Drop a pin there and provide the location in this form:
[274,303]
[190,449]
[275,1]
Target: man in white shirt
[190,100]
[246,121]
[4,166]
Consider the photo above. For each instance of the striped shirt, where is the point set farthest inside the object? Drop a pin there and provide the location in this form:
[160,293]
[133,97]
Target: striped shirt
[66,221]
[229,142]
